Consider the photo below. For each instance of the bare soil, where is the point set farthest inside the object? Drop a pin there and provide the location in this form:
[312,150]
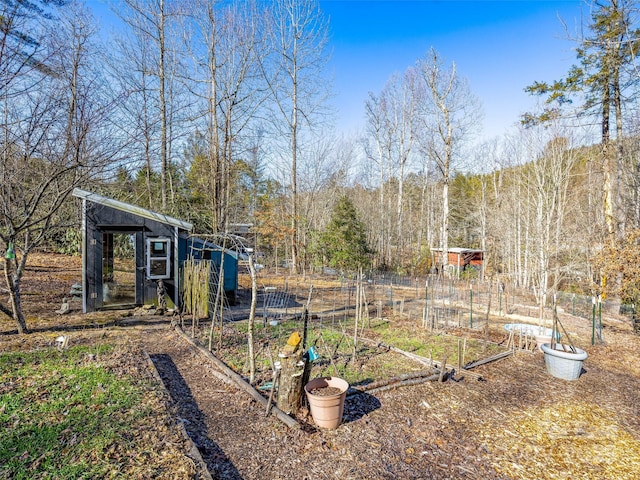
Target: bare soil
[326,391]
[517,422]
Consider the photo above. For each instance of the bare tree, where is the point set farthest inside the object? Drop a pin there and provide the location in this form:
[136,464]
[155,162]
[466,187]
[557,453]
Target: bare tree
[157,59]
[451,113]
[392,119]
[547,176]
[52,111]
[294,75]
[603,79]
[323,180]
[226,44]
[378,148]
[130,67]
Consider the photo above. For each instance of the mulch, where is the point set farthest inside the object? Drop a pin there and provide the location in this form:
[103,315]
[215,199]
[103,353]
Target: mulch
[517,422]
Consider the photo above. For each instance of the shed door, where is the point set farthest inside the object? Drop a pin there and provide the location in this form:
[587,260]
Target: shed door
[118,269]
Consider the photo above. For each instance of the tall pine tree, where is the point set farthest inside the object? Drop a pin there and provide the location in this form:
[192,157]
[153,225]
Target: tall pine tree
[605,58]
[344,240]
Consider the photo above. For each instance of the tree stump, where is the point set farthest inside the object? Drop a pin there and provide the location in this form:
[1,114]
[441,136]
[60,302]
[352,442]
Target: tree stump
[291,378]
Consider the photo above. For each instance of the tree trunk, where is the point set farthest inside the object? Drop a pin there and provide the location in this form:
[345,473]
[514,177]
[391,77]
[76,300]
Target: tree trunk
[294,181]
[164,153]
[252,321]
[13,284]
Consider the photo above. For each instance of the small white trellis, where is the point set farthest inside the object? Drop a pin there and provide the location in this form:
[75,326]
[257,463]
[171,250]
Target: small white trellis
[274,304]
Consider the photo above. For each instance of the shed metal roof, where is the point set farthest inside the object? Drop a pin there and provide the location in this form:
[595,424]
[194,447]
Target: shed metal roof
[459,250]
[133,209]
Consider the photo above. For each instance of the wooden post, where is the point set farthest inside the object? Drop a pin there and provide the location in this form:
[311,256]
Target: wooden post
[443,370]
[464,351]
[306,369]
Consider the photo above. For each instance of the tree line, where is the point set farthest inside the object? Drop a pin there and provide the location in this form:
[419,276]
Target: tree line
[218,113]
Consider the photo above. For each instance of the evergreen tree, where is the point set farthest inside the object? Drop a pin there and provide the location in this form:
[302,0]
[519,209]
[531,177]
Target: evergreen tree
[344,240]
[605,69]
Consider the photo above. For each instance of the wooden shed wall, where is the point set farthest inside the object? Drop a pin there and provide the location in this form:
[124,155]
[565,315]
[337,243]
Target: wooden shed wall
[101,219]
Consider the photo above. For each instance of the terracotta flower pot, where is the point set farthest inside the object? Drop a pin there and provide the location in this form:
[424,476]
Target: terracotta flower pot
[541,339]
[326,400]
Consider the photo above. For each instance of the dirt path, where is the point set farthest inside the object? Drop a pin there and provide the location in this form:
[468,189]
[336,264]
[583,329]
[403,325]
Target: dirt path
[219,418]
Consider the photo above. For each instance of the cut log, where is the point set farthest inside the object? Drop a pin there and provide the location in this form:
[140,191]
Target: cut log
[239,381]
[493,358]
[291,376]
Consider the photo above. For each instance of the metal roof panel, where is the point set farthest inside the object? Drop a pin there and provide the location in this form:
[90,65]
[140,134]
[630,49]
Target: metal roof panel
[133,209]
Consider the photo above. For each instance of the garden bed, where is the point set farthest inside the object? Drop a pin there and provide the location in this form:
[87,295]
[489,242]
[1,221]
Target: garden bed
[518,423]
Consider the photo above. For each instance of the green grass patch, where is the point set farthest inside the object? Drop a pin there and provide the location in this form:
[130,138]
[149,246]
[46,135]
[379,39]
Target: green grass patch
[64,415]
[334,343]
[436,346]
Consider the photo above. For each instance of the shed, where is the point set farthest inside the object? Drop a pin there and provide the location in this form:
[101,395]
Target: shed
[461,259]
[204,249]
[127,250]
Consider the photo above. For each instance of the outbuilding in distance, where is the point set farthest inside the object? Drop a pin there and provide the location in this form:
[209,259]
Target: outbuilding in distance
[461,259]
[127,250]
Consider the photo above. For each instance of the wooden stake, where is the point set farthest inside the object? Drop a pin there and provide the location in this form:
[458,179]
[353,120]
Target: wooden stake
[464,350]
[489,359]
[276,377]
[443,370]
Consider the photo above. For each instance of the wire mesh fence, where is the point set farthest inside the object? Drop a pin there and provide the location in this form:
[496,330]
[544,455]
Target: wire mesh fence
[434,302]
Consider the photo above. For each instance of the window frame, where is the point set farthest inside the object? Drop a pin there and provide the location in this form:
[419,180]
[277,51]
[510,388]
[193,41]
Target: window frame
[151,257]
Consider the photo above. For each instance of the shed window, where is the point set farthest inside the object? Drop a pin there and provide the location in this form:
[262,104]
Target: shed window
[158,258]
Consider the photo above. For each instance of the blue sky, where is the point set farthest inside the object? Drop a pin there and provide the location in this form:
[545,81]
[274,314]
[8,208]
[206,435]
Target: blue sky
[499,46]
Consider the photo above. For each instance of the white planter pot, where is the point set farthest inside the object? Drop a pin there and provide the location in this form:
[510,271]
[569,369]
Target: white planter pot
[566,365]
